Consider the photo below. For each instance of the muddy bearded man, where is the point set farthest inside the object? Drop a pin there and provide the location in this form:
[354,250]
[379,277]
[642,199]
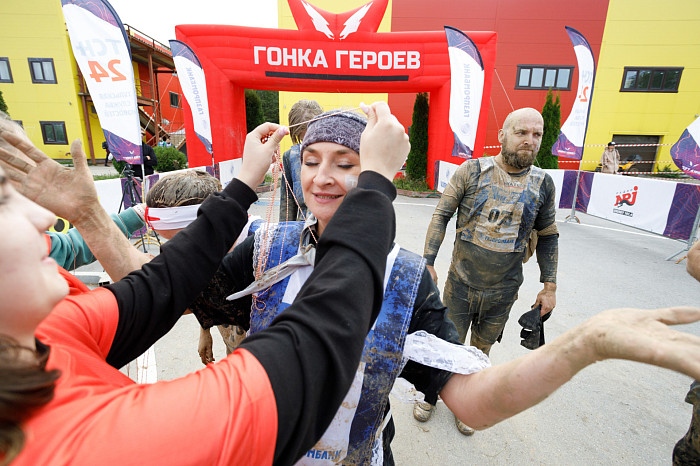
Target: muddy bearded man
[499,202]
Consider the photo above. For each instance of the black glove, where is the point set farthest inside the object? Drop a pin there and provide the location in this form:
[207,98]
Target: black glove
[532,333]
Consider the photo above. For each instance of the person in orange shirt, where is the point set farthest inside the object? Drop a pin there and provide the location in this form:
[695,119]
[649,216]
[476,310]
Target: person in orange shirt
[62,399]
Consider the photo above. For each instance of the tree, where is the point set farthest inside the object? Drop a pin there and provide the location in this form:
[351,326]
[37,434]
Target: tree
[270,105]
[417,161]
[253,110]
[3,105]
[551,114]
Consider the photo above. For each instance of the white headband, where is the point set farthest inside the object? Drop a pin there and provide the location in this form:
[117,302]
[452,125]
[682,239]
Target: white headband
[171,218]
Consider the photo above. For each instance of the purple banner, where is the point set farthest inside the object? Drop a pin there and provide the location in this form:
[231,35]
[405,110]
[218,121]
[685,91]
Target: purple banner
[568,187]
[686,153]
[585,182]
[214,170]
[681,216]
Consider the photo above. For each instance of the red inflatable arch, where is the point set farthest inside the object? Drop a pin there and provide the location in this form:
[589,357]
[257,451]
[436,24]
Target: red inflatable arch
[335,53]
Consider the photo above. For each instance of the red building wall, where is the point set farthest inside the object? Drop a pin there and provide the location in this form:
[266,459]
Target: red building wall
[167,83]
[530,32]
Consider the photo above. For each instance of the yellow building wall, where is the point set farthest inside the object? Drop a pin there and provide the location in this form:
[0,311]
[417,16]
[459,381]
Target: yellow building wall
[36,29]
[328,101]
[646,33]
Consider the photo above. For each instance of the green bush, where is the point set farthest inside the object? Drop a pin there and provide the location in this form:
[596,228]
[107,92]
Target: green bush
[411,185]
[253,110]
[551,114]
[668,171]
[3,105]
[169,159]
[417,161]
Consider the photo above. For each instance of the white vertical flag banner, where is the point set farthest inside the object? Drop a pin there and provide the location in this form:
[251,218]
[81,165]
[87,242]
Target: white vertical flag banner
[573,131]
[194,87]
[466,89]
[101,48]
[686,152]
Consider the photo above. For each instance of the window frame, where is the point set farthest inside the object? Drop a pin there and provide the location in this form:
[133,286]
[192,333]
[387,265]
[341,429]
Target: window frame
[42,61]
[544,68]
[43,125]
[175,94]
[653,70]
[9,70]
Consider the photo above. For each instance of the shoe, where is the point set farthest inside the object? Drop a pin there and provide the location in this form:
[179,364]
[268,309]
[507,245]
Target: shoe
[422,411]
[463,428]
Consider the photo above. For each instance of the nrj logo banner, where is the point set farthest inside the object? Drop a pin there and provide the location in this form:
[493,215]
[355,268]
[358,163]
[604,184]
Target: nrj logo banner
[466,90]
[194,87]
[573,131]
[638,202]
[101,49]
[686,153]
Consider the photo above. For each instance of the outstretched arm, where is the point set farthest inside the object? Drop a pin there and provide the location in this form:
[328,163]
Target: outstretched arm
[69,249]
[71,194]
[485,398]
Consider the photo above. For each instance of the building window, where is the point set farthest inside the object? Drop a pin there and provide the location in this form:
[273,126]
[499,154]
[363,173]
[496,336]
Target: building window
[42,70]
[54,132]
[174,100]
[5,71]
[651,79]
[544,77]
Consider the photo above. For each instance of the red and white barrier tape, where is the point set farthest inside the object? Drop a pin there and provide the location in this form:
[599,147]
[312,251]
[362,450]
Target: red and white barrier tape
[604,145]
[623,161]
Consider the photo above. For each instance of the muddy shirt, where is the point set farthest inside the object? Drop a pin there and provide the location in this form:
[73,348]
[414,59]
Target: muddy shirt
[496,212]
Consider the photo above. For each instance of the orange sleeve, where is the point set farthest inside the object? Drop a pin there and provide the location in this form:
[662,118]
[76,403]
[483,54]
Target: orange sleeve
[221,415]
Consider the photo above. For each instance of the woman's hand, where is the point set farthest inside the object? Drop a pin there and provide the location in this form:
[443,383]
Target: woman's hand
[384,143]
[257,156]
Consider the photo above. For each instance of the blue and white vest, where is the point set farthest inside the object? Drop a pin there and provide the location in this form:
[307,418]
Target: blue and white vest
[354,435]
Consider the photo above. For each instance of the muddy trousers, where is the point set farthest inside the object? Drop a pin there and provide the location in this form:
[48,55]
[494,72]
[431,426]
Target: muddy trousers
[687,450]
[485,311]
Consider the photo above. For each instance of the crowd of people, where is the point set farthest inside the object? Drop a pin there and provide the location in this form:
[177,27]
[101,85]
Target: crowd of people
[329,305]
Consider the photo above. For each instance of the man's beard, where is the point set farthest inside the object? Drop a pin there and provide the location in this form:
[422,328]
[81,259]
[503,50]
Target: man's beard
[517,161]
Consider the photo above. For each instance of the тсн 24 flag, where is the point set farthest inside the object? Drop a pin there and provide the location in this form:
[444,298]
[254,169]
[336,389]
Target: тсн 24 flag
[101,49]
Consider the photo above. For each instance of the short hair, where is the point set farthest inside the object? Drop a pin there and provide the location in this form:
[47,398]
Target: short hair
[302,111]
[185,188]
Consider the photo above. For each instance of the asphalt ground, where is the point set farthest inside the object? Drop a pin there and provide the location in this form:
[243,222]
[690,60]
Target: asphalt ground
[614,412]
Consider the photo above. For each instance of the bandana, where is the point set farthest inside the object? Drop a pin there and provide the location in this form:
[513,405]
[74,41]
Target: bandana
[171,218]
[341,128]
